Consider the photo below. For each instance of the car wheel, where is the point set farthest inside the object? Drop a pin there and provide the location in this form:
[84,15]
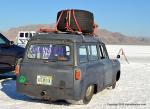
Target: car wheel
[87,97]
[88,94]
[114,85]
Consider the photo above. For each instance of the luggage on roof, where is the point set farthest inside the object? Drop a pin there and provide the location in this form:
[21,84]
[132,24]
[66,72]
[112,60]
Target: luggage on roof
[75,20]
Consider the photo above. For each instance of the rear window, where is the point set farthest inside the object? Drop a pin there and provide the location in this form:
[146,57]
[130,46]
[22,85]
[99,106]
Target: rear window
[49,52]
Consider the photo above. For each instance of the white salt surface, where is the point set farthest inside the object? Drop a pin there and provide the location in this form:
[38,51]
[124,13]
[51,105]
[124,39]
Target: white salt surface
[134,53]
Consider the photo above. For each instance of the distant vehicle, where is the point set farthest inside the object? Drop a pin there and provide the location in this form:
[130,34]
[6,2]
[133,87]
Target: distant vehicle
[66,66]
[9,54]
[23,37]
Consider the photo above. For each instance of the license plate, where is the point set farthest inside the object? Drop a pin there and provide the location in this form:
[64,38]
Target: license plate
[44,80]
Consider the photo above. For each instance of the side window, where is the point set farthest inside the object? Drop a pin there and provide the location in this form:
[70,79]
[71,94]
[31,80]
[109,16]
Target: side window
[2,41]
[93,54]
[21,34]
[103,53]
[26,35]
[83,54]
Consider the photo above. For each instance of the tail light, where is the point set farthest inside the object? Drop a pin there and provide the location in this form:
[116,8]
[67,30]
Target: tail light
[77,74]
[17,69]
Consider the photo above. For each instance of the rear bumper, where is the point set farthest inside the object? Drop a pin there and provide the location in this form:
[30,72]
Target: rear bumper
[51,93]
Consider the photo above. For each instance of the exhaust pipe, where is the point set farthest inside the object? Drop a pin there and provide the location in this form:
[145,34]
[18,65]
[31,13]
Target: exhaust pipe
[43,93]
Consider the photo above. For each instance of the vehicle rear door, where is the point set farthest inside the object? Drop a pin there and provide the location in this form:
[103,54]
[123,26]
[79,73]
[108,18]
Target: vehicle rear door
[49,63]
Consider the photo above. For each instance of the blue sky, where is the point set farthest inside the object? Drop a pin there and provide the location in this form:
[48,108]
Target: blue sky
[130,17]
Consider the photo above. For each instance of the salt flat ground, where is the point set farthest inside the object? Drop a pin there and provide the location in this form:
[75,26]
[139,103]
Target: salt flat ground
[132,90]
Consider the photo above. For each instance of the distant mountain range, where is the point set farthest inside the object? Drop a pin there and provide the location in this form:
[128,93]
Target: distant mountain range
[106,36]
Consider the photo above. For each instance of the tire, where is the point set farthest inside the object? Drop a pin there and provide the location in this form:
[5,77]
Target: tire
[87,97]
[88,94]
[85,20]
[114,85]
[118,76]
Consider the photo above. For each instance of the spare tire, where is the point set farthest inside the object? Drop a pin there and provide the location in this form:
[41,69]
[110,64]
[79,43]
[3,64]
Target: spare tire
[85,20]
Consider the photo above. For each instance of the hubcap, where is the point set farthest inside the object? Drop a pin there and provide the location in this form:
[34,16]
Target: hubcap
[88,92]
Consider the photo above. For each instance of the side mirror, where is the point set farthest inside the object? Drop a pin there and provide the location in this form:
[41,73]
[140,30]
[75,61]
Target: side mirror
[11,43]
[118,56]
[8,44]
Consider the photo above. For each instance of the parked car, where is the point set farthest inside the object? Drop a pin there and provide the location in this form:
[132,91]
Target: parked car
[9,54]
[66,66]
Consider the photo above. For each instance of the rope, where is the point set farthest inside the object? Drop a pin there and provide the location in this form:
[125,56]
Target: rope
[67,22]
[77,24]
[58,20]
